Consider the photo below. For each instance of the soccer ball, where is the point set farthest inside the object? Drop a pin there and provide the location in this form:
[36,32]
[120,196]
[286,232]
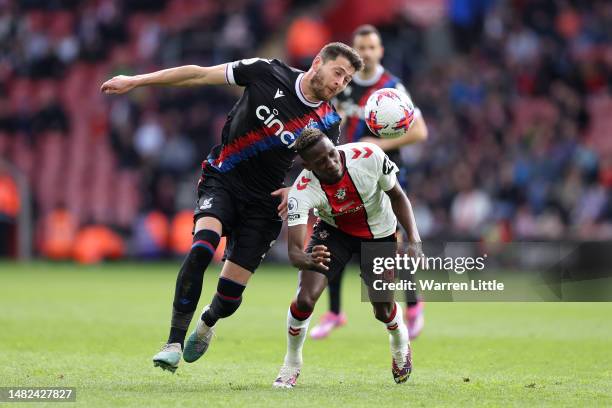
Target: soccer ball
[389,113]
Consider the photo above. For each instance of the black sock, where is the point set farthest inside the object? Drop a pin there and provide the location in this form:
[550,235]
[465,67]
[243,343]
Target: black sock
[225,302]
[411,295]
[177,335]
[189,283]
[334,292]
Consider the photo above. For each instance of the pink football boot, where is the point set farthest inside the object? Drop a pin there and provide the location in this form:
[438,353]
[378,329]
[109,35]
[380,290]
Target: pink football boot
[415,317]
[329,321]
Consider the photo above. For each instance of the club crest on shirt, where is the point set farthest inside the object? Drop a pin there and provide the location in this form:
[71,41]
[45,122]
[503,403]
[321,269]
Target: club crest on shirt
[323,234]
[340,194]
[206,203]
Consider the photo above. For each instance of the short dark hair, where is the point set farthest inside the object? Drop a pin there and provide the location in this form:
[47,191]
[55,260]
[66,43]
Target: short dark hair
[307,139]
[332,50]
[365,29]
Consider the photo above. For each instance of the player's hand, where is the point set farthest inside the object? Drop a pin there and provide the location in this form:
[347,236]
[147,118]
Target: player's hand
[415,249]
[282,193]
[320,257]
[118,85]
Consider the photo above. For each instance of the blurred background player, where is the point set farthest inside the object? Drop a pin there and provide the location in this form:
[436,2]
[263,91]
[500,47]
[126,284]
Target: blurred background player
[334,182]
[350,104]
[239,190]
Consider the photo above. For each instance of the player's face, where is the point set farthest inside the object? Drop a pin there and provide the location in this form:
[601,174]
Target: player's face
[324,160]
[370,48]
[330,78]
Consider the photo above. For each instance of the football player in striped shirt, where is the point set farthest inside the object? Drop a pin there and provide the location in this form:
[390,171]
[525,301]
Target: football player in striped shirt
[350,103]
[354,191]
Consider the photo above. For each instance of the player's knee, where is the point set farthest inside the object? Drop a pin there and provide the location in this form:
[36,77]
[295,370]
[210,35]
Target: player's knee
[203,248]
[305,302]
[227,299]
[382,311]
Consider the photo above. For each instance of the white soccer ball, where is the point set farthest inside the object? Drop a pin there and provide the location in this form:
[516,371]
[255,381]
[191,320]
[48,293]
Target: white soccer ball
[389,113]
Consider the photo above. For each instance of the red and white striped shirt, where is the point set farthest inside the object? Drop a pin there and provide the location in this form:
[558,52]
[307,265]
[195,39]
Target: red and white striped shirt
[357,204]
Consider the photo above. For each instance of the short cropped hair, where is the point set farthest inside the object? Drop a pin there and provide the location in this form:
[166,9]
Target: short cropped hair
[365,29]
[307,139]
[335,49]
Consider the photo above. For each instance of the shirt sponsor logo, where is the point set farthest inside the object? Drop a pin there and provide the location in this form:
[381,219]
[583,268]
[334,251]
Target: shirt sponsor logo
[270,119]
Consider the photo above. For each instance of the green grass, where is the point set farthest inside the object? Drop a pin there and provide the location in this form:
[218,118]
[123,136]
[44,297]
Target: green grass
[96,329]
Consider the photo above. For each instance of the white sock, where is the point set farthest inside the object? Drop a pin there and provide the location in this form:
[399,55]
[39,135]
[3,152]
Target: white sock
[398,332]
[296,335]
[201,327]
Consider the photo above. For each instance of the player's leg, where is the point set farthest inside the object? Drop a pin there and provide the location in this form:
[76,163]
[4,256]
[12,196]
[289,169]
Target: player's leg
[334,318]
[225,302]
[414,314]
[334,287]
[213,211]
[310,286]
[389,312]
[188,288]
[247,246]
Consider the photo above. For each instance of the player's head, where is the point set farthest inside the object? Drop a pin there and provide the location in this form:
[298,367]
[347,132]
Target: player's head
[367,42]
[333,68]
[319,154]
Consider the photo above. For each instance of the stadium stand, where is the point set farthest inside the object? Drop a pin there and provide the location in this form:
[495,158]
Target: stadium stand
[518,105]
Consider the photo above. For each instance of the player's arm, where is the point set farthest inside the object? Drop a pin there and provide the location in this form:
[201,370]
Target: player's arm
[313,261]
[301,200]
[403,211]
[186,75]
[387,181]
[417,133]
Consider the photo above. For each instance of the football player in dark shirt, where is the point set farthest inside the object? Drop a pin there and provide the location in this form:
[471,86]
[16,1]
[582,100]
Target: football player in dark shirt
[351,103]
[240,191]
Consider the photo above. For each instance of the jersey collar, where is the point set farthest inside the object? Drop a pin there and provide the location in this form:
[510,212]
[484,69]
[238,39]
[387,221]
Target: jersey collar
[300,94]
[371,81]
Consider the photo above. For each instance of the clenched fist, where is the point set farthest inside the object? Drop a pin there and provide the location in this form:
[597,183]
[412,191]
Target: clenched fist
[119,85]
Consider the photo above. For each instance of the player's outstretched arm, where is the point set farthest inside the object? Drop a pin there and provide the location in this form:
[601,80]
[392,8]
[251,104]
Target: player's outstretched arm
[186,75]
[403,211]
[317,260]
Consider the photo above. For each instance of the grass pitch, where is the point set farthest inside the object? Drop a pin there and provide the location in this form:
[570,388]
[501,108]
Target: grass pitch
[96,329]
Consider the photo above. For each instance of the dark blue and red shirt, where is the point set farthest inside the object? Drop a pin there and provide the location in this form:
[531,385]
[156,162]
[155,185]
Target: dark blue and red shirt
[259,135]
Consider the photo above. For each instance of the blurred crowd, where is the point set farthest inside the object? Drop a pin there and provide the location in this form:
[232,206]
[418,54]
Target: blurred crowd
[516,95]
[519,117]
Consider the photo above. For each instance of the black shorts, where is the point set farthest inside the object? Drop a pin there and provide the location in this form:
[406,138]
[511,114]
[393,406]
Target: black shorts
[342,247]
[251,226]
